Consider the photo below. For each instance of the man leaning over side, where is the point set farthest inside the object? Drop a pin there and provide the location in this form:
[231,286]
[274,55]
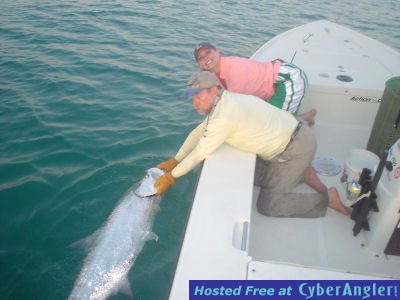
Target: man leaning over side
[283,146]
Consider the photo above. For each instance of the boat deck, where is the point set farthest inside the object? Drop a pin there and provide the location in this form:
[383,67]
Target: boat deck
[325,243]
[225,236]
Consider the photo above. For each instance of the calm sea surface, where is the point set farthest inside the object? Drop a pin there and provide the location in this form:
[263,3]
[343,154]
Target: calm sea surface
[89,99]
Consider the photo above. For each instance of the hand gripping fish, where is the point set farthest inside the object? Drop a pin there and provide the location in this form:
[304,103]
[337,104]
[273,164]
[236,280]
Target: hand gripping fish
[115,247]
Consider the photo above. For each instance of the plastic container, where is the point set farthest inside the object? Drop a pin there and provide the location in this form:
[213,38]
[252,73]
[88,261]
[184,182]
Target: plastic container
[386,129]
[353,191]
[357,160]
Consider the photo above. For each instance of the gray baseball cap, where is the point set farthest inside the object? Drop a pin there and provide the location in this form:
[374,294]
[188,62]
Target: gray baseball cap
[202,45]
[198,82]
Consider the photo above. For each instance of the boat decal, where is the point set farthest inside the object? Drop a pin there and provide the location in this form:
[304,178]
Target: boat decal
[365,99]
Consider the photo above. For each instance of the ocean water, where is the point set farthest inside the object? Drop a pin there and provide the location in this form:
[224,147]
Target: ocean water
[89,99]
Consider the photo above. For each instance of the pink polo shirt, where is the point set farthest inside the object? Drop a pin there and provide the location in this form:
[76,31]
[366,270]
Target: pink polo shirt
[247,76]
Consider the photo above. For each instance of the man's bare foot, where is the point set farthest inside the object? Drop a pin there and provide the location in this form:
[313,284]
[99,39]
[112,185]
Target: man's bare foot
[309,117]
[335,203]
[313,181]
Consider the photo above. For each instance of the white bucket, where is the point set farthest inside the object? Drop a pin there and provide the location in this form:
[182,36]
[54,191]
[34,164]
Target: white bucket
[359,159]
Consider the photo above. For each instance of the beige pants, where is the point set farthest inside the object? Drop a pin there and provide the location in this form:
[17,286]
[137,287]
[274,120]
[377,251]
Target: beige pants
[278,177]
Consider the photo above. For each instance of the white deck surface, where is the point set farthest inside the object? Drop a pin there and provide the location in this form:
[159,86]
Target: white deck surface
[325,50]
[325,243]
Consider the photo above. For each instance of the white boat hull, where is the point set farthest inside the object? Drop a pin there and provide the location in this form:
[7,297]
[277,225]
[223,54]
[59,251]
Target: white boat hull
[226,238]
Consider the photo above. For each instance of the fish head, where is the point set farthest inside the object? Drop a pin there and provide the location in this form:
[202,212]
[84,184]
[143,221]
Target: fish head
[146,187]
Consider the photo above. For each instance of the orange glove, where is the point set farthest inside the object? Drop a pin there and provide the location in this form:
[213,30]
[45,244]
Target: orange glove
[163,182]
[168,165]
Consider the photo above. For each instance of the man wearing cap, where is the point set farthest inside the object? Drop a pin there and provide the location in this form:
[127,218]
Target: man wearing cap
[284,148]
[280,83]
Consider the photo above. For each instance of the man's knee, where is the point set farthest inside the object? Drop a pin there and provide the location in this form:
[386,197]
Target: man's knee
[268,205]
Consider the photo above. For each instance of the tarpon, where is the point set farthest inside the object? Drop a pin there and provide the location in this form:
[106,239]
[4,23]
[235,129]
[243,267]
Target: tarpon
[115,247]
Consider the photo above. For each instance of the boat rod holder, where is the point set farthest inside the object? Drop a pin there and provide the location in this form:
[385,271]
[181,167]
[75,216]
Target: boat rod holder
[362,208]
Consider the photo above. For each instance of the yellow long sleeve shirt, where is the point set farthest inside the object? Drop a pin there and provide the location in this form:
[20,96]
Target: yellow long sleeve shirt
[242,121]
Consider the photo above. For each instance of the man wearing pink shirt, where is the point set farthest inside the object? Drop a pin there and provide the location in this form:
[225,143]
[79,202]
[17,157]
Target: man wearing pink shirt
[281,84]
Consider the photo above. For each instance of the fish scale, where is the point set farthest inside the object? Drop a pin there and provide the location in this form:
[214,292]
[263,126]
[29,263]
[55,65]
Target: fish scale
[112,252]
